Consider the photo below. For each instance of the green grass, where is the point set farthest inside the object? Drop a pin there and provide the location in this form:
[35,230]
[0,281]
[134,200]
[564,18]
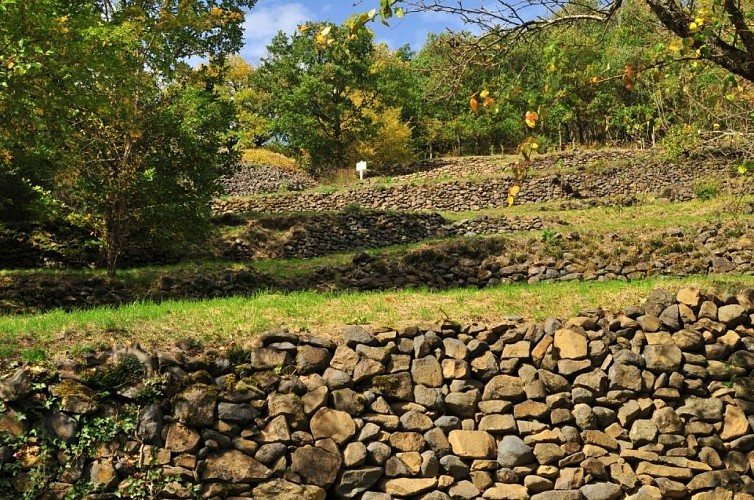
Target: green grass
[221,323]
[648,214]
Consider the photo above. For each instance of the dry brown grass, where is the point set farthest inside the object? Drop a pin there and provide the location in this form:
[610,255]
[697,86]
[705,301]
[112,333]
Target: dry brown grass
[261,156]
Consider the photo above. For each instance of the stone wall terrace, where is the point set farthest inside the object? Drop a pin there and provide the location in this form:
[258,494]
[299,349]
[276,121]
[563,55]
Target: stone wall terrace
[654,402]
[675,183]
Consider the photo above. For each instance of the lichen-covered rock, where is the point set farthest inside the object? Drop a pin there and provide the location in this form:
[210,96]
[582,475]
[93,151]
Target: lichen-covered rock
[663,358]
[182,439]
[280,489]
[15,385]
[472,444]
[315,465]
[569,344]
[408,487]
[196,405]
[328,423]
[504,387]
[75,397]
[235,467]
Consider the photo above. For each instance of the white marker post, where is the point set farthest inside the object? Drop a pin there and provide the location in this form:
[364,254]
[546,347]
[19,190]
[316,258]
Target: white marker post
[361,167]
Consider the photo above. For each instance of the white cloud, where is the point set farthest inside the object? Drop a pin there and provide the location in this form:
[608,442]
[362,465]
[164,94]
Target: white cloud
[262,23]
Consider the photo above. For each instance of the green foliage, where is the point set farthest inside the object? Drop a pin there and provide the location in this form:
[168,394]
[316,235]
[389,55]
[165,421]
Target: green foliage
[48,456]
[390,144]
[110,378]
[316,76]
[706,189]
[679,141]
[251,127]
[104,115]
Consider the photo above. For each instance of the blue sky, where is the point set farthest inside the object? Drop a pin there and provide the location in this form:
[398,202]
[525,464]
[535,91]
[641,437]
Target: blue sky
[270,16]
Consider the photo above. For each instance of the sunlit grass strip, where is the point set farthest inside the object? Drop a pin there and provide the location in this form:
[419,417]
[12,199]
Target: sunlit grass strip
[222,322]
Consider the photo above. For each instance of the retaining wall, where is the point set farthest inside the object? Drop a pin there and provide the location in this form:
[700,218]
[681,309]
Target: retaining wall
[726,248]
[652,403]
[672,182]
[325,234]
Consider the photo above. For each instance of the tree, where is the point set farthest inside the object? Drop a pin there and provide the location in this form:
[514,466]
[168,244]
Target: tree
[313,77]
[719,31]
[134,139]
[390,143]
[252,125]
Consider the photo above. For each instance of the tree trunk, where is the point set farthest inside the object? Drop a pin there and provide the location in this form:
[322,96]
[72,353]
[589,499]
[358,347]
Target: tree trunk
[114,233]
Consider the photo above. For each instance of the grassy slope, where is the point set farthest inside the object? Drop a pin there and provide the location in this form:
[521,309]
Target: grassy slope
[224,322]
[221,322]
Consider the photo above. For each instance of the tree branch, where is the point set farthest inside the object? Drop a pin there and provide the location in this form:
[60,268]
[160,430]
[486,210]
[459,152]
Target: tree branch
[739,23]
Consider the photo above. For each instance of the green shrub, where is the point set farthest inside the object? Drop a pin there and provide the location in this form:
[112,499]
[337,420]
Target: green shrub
[706,189]
[680,140]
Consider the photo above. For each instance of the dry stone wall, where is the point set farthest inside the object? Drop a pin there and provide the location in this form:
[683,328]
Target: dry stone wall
[323,234]
[255,179]
[675,183]
[726,248]
[652,403]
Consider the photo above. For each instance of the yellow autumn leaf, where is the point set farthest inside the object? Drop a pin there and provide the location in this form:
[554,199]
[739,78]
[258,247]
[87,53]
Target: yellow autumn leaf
[742,169]
[531,119]
[514,190]
[322,37]
[484,93]
[303,28]
[510,200]
[693,26]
